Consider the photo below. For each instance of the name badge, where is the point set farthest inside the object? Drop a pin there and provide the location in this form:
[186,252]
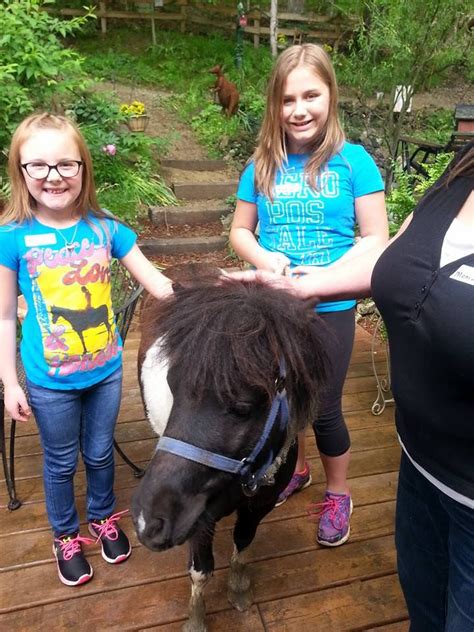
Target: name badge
[46,239]
[465,274]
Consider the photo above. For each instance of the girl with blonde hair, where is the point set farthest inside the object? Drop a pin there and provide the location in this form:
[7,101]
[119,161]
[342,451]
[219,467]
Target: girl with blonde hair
[307,188]
[56,246]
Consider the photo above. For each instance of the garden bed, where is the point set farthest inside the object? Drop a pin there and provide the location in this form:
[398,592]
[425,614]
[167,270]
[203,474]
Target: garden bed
[148,230]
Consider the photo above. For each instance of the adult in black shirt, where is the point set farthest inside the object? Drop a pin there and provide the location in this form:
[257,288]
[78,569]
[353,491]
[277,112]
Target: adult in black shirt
[423,285]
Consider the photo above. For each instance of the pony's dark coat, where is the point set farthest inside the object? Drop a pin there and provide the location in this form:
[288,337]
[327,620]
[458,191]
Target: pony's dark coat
[235,333]
[224,341]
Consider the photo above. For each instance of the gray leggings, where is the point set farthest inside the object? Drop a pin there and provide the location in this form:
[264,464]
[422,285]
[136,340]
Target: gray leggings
[332,436]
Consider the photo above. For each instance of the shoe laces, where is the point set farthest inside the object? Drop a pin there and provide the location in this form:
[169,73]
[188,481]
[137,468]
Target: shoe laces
[107,528]
[70,545]
[332,508]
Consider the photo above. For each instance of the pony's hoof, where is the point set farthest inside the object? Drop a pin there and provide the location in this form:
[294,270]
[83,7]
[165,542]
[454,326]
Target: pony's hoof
[192,625]
[240,600]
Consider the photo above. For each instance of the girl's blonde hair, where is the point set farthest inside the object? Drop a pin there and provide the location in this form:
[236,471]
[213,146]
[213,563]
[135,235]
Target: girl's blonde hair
[270,153]
[21,206]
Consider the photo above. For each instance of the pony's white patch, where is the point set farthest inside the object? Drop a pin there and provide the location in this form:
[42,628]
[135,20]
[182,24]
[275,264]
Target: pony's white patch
[141,524]
[198,582]
[156,391]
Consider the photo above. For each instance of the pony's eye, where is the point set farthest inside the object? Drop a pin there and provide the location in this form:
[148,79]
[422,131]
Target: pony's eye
[241,409]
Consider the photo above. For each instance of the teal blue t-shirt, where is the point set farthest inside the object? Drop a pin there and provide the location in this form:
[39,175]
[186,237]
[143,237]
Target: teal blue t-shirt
[313,227]
[69,336]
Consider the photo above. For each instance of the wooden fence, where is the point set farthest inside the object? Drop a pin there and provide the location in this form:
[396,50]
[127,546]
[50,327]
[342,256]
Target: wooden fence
[192,16]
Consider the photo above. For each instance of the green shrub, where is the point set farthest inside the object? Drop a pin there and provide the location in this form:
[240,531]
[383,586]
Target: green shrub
[36,70]
[124,169]
[409,189]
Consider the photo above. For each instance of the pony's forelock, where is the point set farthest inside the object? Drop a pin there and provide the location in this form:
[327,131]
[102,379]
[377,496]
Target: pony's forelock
[231,336]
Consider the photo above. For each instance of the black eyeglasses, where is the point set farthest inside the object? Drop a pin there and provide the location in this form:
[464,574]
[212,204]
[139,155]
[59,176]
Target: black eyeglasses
[40,170]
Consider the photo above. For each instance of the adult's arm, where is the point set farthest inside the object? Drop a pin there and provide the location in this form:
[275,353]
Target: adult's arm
[372,219]
[349,277]
[15,400]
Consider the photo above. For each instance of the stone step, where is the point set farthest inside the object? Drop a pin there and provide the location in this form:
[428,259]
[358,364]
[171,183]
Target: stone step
[182,245]
[204,190]
[195,165]
[201,213]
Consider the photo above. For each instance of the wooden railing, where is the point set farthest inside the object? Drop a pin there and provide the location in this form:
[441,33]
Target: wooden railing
[193,16]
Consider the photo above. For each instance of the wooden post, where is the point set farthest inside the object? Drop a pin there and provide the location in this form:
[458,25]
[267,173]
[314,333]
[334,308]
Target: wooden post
[183,12]
[256,36]
[103,19]
[153,30]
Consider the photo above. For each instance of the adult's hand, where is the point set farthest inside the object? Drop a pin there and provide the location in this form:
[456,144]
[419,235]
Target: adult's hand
[300,285]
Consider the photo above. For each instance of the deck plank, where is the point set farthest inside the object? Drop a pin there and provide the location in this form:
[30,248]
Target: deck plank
[298,584]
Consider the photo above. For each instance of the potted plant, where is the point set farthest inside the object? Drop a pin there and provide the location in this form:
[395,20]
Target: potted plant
[136,117]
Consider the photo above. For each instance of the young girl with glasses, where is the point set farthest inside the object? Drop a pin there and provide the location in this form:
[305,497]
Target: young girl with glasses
[307,188]
[56,246]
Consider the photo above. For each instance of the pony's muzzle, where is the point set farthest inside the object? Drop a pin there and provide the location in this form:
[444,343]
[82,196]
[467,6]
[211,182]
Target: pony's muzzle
[152,531]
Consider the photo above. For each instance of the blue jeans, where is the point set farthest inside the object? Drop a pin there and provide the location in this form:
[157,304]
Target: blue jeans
[69,421]
[435,551]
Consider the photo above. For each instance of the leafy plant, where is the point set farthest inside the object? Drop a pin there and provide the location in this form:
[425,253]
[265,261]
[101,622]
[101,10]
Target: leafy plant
[409,189]
[36,70]
[89,108]
[125,176]
[412,44]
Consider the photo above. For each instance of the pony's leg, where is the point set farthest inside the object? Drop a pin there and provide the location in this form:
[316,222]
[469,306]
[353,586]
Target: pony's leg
[201,567]
[240,592]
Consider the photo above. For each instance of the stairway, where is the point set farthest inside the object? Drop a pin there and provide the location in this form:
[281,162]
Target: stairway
[201,187]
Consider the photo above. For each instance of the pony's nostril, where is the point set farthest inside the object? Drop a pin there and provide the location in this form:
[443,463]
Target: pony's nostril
[156,527]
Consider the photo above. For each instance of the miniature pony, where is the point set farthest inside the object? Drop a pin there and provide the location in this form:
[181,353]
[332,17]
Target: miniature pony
[230,372]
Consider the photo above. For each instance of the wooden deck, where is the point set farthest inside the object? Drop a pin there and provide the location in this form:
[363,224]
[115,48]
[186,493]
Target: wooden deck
[299,586]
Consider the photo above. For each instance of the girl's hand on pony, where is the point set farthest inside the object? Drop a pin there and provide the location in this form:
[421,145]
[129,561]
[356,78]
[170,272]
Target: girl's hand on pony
[16,403]
[274,262]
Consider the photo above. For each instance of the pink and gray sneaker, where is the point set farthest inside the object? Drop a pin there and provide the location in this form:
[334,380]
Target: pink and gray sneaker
[334,519]
[299,480]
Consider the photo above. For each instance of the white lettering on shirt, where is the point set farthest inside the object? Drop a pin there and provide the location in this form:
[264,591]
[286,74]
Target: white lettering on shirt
[465,274]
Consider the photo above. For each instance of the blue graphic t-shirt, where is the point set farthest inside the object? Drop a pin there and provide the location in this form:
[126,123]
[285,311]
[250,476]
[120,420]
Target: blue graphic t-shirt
[69,336]
[313,227]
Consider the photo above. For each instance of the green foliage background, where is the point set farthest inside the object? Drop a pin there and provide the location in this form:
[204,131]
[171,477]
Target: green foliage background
[39,72]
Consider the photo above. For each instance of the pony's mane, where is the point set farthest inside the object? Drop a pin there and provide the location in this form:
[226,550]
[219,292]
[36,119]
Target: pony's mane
[230,336]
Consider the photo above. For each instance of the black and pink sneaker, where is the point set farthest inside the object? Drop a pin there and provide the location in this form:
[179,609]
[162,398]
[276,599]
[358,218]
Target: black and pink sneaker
[73,568]
[115,545]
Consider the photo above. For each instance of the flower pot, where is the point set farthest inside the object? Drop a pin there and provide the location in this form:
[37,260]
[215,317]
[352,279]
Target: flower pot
[138,123]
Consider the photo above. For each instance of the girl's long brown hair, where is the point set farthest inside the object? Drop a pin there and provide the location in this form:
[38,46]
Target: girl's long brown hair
[21,206]
[270,154]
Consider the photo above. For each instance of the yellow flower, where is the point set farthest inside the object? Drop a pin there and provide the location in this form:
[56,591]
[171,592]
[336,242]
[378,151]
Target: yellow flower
[135,108]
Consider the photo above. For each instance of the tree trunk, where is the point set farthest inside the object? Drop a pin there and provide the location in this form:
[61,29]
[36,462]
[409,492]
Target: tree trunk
[273,27]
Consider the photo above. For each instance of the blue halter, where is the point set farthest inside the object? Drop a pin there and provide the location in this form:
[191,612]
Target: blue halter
[250,481]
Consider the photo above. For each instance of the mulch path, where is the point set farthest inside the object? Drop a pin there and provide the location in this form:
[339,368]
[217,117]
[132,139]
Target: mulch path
[219,258]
